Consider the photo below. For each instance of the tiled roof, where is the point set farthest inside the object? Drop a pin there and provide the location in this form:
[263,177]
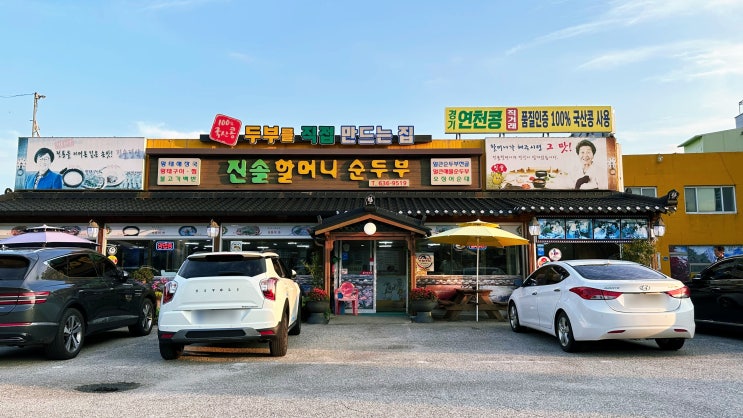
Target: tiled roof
[134,204]
[372,211]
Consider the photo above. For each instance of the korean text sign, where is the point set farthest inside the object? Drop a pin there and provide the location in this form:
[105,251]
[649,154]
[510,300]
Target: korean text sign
[531,119]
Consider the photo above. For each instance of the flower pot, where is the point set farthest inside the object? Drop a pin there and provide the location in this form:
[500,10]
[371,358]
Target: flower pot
[422,309]
[317,309]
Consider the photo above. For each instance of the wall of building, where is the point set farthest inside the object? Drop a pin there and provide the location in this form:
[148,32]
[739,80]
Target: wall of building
[676,171]
[730,140]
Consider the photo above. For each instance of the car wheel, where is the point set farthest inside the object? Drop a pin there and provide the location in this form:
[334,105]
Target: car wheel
[513,318]
[565,333]
[279,345]
[670,344]
[144,323]
[170,351]
[297,328]
[69,337]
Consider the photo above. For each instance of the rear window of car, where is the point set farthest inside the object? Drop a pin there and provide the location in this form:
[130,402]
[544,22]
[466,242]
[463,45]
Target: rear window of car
[13,268]
[618,272]
[222,266]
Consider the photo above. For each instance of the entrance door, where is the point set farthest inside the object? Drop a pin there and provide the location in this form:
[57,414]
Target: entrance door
[378,269]
[392,276]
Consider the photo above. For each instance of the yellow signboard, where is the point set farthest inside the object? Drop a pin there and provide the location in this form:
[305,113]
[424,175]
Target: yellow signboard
[531,119]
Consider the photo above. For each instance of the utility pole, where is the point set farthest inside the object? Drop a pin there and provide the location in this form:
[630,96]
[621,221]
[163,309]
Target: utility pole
[34,126]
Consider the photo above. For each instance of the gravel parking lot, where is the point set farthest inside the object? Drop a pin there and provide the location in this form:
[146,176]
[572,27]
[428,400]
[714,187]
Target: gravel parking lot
[374,366]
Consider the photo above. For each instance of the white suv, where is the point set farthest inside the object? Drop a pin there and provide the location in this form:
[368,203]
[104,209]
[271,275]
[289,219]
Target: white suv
[229,297]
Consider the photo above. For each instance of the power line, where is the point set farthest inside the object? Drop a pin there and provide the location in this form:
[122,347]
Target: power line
[37,96]
[17,95]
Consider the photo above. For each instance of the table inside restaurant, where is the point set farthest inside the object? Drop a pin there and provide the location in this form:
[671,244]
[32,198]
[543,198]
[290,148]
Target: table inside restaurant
[471,299]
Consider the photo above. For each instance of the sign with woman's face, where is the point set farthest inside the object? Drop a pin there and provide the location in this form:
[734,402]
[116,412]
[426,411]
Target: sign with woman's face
[80,163]
[550,163]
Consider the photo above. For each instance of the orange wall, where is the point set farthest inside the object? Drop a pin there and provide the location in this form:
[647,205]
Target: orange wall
[676,171]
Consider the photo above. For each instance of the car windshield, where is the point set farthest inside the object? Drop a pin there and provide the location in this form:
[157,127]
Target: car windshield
[618,272]
[222,266]
[13,268]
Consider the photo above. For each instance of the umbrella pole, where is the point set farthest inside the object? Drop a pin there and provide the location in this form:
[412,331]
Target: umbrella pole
[477,282]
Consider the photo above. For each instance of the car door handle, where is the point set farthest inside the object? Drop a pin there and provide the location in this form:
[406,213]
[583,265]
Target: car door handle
[555,290]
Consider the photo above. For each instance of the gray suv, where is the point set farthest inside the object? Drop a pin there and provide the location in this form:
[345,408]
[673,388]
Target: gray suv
[55,297]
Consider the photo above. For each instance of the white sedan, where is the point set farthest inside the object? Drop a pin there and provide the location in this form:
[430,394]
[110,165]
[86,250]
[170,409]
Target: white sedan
[589,300]
[229,297]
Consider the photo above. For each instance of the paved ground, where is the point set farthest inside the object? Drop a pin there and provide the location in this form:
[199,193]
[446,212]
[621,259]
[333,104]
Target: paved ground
[381,366]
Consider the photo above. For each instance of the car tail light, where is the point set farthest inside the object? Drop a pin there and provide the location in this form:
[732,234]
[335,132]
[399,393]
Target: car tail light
[680,293]
[23,298]
[169,291]
[590,293]
[268,287]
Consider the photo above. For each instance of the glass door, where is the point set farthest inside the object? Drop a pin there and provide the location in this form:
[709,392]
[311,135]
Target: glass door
[392,275]
[378,269]
[355,264]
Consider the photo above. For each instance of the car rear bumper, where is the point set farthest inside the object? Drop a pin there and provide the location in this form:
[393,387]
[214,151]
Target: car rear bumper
[30,334]
[598,325]
[216,335]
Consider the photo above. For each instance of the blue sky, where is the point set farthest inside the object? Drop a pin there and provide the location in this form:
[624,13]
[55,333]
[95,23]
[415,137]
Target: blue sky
[165,68]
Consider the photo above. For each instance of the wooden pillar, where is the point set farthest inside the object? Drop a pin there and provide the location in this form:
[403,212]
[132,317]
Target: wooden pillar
[328,260]
[412,262]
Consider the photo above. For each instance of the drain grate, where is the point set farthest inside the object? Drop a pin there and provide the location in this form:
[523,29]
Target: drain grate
[107,387]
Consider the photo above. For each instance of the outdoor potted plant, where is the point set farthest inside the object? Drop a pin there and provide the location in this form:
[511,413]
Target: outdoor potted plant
[317,302]
[422,302]
[143,274]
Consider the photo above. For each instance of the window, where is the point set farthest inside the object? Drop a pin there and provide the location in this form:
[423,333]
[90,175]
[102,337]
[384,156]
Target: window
[222,265]
[644,191]
[81,266]
[710,199]
[13,268]
[609,271]
[105,267]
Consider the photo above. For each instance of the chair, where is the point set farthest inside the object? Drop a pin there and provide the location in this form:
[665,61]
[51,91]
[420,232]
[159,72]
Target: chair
[347,292]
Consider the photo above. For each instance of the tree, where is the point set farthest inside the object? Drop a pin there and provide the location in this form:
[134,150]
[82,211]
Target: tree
[640,251]
[316,269]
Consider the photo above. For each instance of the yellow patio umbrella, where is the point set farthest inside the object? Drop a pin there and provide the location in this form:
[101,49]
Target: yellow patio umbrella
[478,234]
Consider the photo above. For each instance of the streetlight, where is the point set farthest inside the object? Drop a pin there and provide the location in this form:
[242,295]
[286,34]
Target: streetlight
[535,229]
[213,230]
[93,230]
[370,228]
[659,228]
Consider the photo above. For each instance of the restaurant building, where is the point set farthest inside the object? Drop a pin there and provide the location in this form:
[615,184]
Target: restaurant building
[364,197]
[706,174]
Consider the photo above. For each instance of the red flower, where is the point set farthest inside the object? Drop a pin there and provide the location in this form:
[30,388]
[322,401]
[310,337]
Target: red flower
[421,293]
[317,294]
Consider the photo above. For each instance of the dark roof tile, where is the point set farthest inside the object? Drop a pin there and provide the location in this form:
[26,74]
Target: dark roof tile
[39,204]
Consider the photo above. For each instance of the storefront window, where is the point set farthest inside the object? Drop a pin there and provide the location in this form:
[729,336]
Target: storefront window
[449,259]
[295,253]
[164,256]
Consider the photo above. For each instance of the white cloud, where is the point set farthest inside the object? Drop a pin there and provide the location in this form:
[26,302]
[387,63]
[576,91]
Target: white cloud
[674,133]
[177,4]
[158,130]
[691,59]
[712,60]
[239,56]
[623,13]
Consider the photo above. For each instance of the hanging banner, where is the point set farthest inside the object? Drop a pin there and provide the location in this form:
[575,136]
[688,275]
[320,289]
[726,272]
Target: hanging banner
[80,163]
